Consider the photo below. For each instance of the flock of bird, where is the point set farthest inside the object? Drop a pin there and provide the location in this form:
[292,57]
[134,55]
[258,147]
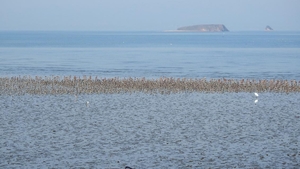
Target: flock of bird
[87,85]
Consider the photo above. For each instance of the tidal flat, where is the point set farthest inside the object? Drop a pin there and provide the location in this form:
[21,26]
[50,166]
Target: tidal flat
[179,130]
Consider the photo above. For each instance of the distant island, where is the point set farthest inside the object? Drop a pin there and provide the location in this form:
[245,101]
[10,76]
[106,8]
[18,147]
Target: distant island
[204,28]
[268,28]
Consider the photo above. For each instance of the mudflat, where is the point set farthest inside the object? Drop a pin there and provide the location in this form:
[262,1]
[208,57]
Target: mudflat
[183,130]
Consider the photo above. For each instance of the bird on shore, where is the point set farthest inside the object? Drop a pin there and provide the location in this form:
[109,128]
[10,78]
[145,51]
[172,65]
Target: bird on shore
[256,94]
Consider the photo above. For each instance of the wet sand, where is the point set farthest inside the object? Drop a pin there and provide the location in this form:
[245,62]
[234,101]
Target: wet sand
[184,130]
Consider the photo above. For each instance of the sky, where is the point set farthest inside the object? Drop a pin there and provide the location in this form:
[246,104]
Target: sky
[148,15]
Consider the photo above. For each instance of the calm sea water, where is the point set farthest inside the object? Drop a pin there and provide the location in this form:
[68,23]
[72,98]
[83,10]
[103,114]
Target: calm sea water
[269,55]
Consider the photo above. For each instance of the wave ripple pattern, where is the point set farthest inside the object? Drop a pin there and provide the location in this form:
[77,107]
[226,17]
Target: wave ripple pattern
[185,130]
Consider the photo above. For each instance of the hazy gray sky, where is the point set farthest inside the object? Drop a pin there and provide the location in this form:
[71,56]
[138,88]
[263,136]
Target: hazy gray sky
[133,15]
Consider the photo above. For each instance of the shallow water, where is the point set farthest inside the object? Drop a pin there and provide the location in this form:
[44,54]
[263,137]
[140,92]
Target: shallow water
[187,130]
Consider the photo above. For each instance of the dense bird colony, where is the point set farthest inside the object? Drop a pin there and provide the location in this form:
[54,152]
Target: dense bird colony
[88,85]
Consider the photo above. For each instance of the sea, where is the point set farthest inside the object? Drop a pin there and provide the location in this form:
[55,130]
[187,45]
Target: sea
[142,130]
[251,55]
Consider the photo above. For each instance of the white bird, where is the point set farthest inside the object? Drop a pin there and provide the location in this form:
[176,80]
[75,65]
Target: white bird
[256,94]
